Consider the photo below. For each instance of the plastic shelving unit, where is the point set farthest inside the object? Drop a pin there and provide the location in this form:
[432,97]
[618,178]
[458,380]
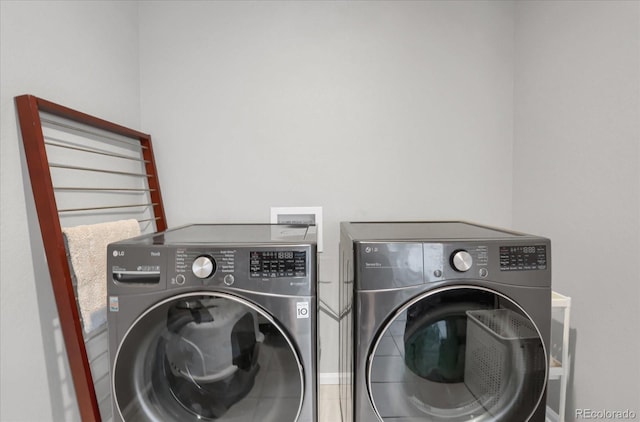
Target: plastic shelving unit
[559,362]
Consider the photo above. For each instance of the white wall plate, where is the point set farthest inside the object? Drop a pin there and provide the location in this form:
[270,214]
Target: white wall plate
[299,215]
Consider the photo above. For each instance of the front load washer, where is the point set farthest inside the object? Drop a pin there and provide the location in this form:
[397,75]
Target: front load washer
[214,322]
[444,321]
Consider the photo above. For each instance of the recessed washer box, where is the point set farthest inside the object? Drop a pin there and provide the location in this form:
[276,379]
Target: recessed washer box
[299,215]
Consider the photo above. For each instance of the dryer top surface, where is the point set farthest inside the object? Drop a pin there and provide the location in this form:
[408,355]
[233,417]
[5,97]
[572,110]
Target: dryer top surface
[426,231]
[230,234]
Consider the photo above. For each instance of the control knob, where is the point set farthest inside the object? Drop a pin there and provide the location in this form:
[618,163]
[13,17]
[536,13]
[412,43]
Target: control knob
[461,261]
[203,266]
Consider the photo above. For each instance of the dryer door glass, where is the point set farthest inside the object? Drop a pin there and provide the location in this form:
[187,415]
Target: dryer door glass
[207,357]
[458,354]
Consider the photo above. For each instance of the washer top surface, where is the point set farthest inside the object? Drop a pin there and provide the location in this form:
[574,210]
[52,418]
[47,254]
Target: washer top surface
[426,230]
[230,234]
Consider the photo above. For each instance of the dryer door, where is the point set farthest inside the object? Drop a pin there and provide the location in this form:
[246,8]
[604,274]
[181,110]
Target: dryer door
[207,356]
[457,354]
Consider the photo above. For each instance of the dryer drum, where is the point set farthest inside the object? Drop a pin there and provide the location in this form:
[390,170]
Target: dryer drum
[497,349]
[209,354]
[505,366]
[435,336]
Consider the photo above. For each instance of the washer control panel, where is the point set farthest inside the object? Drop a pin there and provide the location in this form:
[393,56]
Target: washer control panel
[277,270]
[256,258]
[203,263]
[277,264]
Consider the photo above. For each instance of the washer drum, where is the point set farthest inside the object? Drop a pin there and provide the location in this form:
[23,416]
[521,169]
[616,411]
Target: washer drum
[211,351]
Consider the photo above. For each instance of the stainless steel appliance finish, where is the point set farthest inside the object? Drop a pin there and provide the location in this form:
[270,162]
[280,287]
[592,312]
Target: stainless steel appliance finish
[444,321]
[214,322]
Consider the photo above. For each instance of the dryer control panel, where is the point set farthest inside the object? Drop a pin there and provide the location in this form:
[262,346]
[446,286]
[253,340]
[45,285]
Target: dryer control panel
[523,258]
[391,265]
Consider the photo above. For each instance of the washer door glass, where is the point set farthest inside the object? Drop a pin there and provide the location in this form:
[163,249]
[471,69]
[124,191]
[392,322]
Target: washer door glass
[458,354]
[209,356]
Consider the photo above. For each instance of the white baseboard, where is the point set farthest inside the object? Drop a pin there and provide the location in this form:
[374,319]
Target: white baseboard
[552,416]
[329,378]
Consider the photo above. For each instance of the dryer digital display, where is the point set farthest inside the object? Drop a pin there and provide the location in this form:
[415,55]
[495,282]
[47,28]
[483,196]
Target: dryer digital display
[278,264]
[522,258]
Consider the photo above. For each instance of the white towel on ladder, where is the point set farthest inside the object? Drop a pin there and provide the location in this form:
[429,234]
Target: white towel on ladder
[87,254]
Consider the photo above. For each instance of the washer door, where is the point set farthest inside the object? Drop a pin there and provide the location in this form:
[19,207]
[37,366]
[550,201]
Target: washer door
[457,354]
[207,356]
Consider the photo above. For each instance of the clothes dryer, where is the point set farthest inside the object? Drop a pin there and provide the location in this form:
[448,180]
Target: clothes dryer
[446,321]
[214,322]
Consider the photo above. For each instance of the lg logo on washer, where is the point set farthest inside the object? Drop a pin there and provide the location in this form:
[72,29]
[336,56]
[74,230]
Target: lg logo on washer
[121,253]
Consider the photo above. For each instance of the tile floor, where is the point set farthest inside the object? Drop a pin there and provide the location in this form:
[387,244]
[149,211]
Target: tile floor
[328,403]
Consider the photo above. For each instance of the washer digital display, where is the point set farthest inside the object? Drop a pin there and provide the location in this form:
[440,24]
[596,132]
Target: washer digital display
[277,264]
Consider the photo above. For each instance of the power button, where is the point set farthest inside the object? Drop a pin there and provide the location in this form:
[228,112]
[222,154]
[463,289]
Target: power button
[228,279]
[180,279]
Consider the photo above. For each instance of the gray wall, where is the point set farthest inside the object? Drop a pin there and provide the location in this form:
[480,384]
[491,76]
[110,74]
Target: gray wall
[83,55]
[576,179]
[489,111]
[371,110]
